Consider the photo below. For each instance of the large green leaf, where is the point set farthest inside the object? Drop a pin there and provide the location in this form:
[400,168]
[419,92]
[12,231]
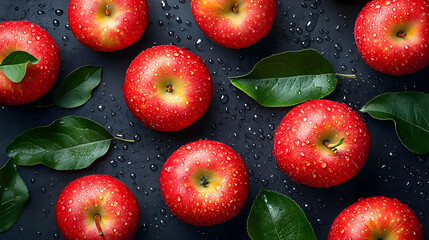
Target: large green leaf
[288,78]
[13,196]
[14,65]
[276,217]
[76,89]
[68,143]
[410,113]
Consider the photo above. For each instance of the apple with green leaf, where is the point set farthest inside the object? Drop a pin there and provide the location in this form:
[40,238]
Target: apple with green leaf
[167,88]
[377,218]
[321,143]
[97,207]
[204,183]
[234,23]
[29,62]
[107,26]
[392,35]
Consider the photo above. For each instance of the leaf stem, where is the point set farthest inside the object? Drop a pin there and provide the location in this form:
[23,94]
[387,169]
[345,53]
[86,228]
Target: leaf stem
[47,105]
[124,140]
[346,75]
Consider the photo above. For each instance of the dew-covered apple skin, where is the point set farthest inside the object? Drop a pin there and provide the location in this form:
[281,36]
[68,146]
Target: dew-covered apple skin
[223,197]
[168,88]
[107,26]
[392,35]
[88,196]
[234,24]
[376,217]
[299,143]
[40,77]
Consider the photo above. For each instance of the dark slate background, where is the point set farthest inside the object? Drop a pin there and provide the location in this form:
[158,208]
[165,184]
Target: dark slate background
[233,118]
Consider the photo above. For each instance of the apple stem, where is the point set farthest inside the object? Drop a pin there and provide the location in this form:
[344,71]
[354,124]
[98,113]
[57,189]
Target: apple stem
[97,219]
[124,140]
[107,12]
[333,146]
[346,75]
[204,182]
[170,88]
[235,8]
[401,34]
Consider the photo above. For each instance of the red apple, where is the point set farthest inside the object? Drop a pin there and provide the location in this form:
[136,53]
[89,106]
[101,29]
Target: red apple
[40,77]
[234,23]
[321,143]
[108,25]
[97,207]
[376,218]
[167,88]
[392,35]
[204,183]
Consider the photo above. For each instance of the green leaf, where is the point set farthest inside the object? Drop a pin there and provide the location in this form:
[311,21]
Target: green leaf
[288,78]
[68,143]
[13,196]
[14,65]
[276,217]
[76,89]
[410,113]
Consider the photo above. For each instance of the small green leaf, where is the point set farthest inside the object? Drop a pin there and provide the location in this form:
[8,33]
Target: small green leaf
[276,217]
[76,89]
[13,196]
[14,65]
[68,143]
[289,78]
[410,113]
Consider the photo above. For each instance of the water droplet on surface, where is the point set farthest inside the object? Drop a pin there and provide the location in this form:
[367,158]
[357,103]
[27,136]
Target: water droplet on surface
[153,167]
[224,98]
[56,23]
[164,5]
[59,12]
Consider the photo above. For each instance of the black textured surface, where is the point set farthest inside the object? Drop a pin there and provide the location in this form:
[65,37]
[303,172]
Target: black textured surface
[232,118]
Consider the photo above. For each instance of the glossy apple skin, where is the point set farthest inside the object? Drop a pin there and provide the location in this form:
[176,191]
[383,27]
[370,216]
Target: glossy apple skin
[125,24]
[299,143]
[221,24]
[97,194]
[40,77]
[194,204]
[376,36]
[147,81]
[376,218]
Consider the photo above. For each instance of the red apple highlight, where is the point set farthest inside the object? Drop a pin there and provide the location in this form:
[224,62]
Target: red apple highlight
[321,143]
[392,35]
[234,23]
[108,25]
[379,218]
[97,207]
[40,77]
[167,88]
[204,183]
